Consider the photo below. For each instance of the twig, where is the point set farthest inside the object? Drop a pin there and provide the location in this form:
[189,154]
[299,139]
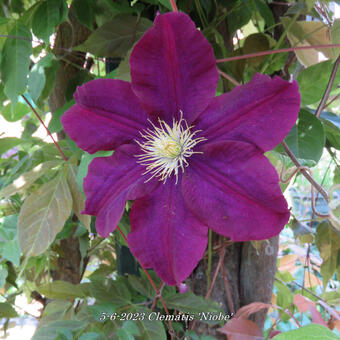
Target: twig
[220,261]
[328,88]
[156,297]
[281,50]
[307,290]
[305,173]
[227,290]
[46,128]
[314,199]
[158,293]
[226,76]
[173,5]
[288,312]
[331,101]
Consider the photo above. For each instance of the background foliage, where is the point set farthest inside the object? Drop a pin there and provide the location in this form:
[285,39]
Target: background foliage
[41,194]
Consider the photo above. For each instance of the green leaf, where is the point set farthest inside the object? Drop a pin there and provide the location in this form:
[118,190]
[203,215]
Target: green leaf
[310,332]
[8,143]
[55,310]
[284,296]
[335,35]
[13,114]
[142,286]
[84,10]
[28,178]
[307,139]
[239,14]
[90,336]
[85,162]
[255,43]
[131,327]
[50,330]
[191,303]
[37,79]
[55,123]
[328,243]
[166,3]
[331,123]
[123,334]
[115,292]
[77,196]
[61,290]
[314,79]
[15,61]
[151,329]
[3,274]
[265,12]
[43,215]
[115,37]
[7,311]
[11,252]
[123,70]
[9,228]
[46,17]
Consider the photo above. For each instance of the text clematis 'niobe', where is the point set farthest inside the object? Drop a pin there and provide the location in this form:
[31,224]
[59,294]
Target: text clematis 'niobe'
[188,159]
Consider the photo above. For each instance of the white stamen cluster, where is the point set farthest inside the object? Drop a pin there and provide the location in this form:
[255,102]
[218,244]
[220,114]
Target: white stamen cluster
[166,148]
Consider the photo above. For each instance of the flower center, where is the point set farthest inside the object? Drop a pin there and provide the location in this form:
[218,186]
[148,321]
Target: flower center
[166,149]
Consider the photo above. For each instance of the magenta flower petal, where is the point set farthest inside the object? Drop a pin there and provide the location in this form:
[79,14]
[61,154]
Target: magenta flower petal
[173,68]
[165,235]
[107,114]
[261,112]
[110,182]
[234,189]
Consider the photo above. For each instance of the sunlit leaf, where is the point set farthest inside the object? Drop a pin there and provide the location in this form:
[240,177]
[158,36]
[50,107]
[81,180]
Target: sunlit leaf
[14,113]
[328,243]
[313,81]
[8,143]
[50,330]
[43,215]
[309,33]
[28,178]
[7,311]
[310,332]
[61,290]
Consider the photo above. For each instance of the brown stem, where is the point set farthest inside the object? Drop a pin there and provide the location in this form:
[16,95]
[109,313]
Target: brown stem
[227,290]
[46,128]
[328,88]
[281,50]
[173,6]
[226,76]
[305,173]
[331,101]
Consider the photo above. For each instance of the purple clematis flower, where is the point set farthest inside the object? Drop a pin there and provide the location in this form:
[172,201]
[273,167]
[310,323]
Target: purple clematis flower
[188,159]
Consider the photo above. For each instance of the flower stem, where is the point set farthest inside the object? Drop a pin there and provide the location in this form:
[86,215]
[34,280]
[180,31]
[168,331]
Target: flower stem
[228,77]
[282,50]
[158,293]
[328,89]
[173,5]
[46,128]
[304,172]
[209,256]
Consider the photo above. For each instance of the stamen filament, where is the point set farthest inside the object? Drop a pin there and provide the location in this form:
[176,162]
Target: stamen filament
[166,148]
